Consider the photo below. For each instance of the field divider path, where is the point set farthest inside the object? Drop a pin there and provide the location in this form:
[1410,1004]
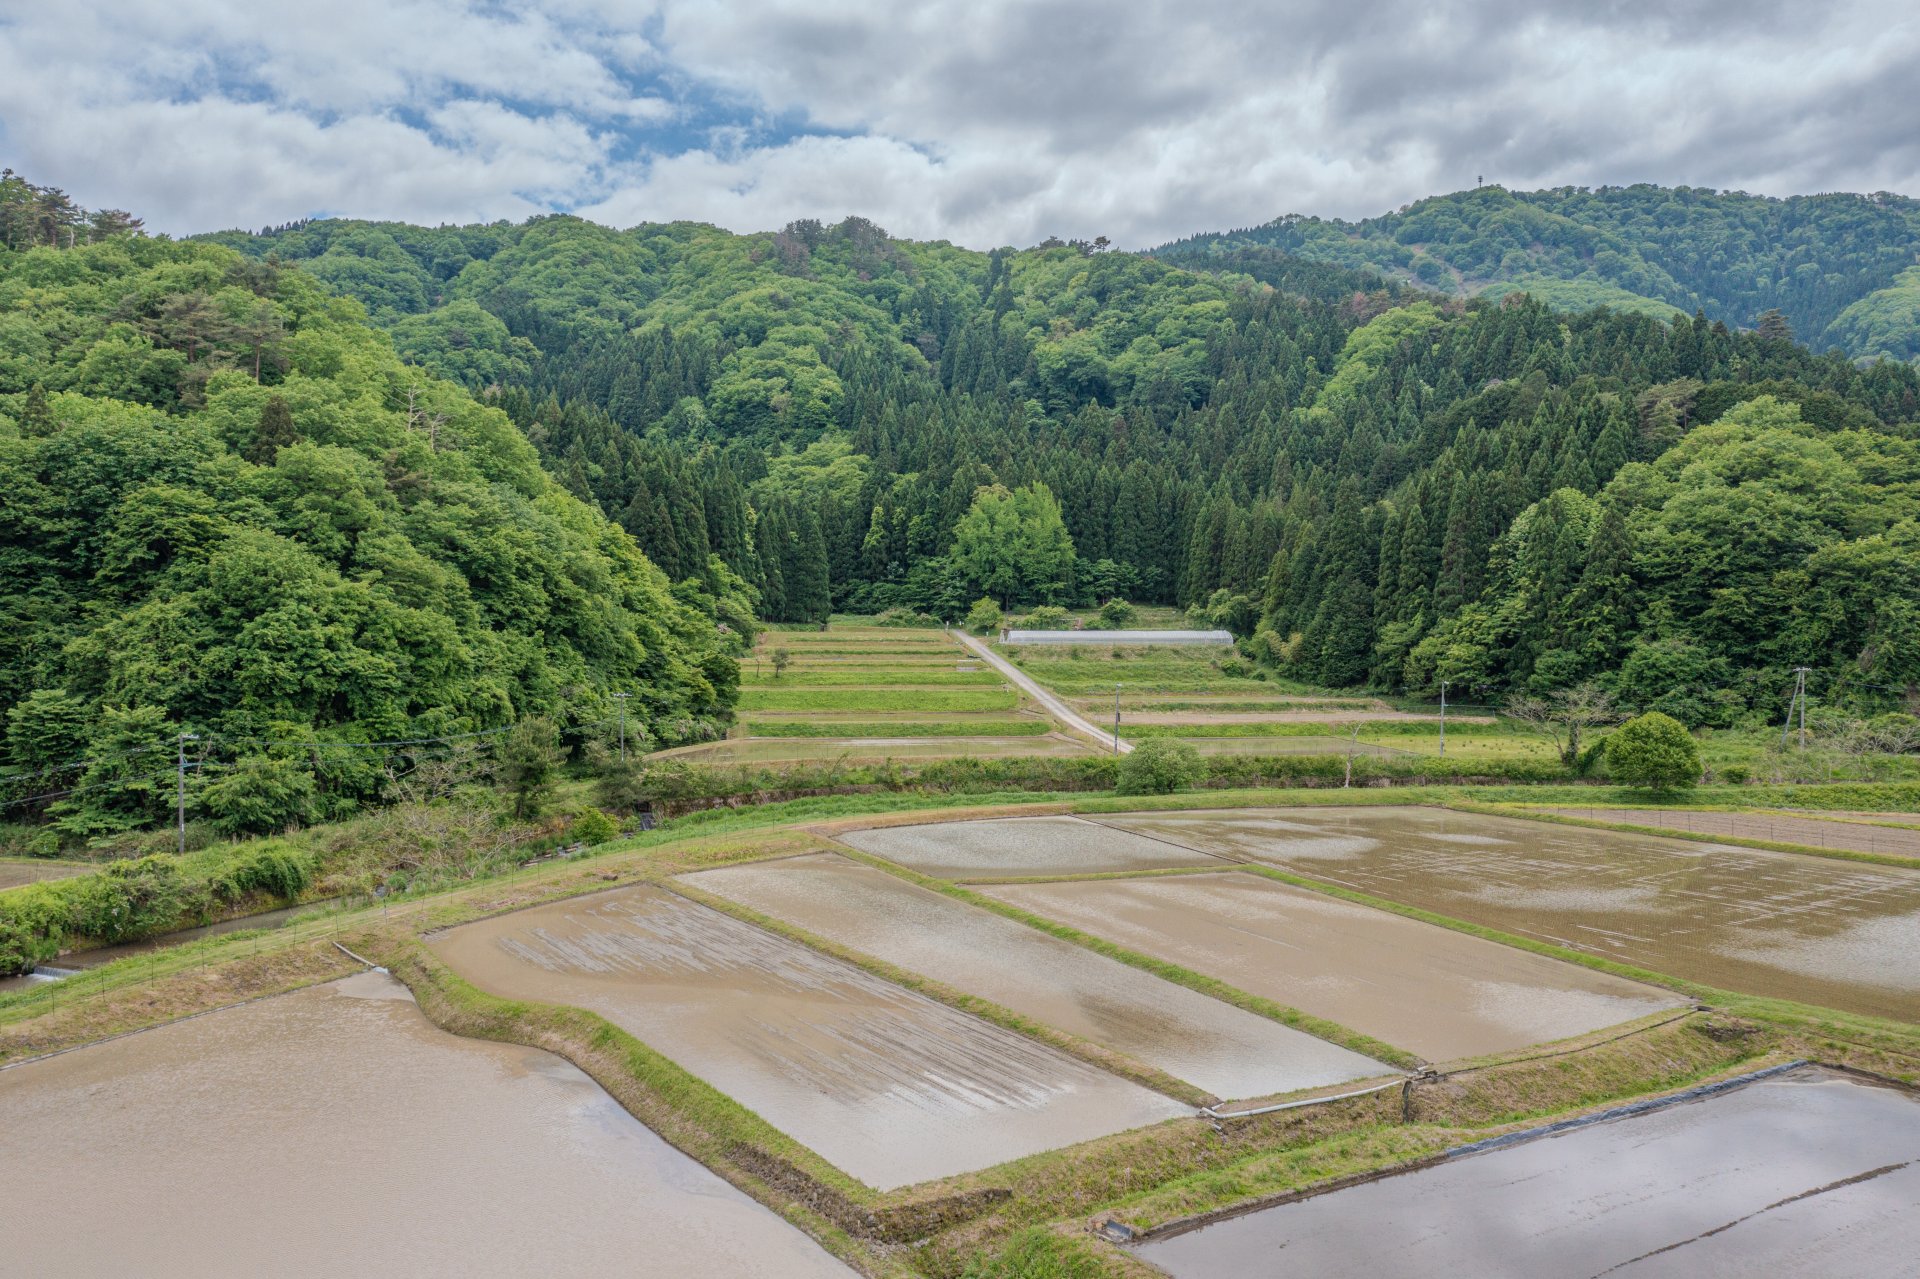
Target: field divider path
[1055,706]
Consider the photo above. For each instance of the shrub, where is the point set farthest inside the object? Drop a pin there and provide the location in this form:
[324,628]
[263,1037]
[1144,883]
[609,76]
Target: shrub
[1160,766]
[130,899]
[905,617]
[1048,617]
[1736,774]
[593,827]
[272,867]
[984,617]
[260,794]
[1116,613]
[1653,751]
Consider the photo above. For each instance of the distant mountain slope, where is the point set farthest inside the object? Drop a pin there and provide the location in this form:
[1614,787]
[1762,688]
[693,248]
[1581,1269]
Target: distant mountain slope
[1837,266]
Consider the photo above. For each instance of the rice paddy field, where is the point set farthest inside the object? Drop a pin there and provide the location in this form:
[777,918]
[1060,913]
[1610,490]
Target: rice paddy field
[1084,1038]
[868,693]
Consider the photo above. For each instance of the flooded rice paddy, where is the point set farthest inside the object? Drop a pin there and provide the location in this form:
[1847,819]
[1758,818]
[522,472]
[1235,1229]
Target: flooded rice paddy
[1022,846]
[1781,828]
[336,1131]
[1426,989]
[887,1085]
[15,874]
[1209,1044]
[1805,1174]
[1833,933]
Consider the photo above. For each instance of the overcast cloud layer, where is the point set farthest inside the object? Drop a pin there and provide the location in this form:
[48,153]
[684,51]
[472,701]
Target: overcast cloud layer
[972,120]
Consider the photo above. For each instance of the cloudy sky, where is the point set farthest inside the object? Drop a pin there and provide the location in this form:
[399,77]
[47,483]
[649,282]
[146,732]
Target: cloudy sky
[972,120]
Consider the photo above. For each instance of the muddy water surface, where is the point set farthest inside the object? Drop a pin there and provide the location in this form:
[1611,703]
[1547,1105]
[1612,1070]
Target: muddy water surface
[1827,932]
[1807,1175]
[887,1085]
[1021,846]
[335,1131]
[1438,993]
[1210,1044]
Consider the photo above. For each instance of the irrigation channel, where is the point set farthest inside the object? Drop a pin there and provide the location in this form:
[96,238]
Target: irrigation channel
[81,961]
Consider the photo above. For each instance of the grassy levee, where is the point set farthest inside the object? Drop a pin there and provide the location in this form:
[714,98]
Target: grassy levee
[1026,1218]
[1330,1031]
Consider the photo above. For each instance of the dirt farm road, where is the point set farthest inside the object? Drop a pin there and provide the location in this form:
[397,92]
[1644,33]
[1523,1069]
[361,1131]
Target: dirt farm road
[1062,712]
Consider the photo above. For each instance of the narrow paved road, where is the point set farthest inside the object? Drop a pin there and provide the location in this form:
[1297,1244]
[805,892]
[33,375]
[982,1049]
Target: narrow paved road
[1065,714]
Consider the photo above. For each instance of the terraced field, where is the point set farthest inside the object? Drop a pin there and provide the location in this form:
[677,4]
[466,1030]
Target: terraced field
[864,693]
[1215,699]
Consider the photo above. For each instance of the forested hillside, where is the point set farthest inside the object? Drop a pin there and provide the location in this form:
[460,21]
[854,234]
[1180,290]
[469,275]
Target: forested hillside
[1840,269]
[231,510]
[1373,487]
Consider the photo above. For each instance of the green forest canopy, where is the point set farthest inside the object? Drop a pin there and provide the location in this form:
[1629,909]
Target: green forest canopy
[1284,446]
[241,506]
[1838,267]
[232,510]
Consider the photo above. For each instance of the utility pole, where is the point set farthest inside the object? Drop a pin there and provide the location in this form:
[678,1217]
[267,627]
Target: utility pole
[1116,719]
[180,789]
[622,699]
[1799,699]
[1801,673]
[1443,716]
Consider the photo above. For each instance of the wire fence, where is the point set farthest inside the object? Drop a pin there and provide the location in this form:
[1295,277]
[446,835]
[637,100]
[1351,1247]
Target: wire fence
[1835,834]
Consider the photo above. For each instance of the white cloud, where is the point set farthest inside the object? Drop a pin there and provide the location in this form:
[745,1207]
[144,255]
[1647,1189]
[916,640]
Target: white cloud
[986,122]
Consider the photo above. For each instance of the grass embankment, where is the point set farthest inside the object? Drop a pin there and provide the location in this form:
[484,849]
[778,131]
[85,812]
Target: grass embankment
[1026,1217]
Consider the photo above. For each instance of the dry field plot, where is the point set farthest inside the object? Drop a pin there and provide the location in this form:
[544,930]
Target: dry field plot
[1807,1173]
[1214,1046]
[888,1085]
[790,750]
[1826,932]
[335,1130]
[875,693]
[14,874]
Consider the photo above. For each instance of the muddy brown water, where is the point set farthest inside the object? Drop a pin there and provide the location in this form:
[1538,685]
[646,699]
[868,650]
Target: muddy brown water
[1833,933]
[889,1086]
[1432,991]
[16,874]
[335,1131]
[1784,828]
[1021,846]
[1209,1044]
[1806,1174]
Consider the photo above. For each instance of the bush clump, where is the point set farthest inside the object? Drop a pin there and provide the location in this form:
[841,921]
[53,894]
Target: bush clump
[1653,751]
[1160,766]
